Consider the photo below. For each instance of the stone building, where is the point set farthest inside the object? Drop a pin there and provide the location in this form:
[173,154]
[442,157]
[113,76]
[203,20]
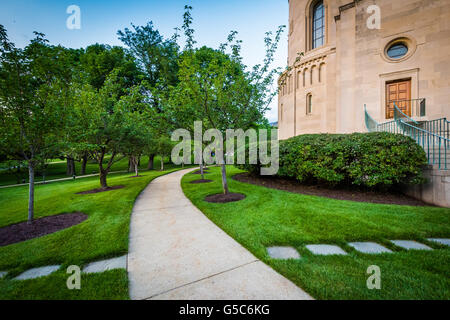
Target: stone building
[348,62]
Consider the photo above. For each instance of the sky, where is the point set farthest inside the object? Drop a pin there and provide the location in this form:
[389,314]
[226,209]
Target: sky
[101,19]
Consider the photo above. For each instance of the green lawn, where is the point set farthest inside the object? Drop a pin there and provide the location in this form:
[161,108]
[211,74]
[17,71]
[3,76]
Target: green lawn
[57,169]
[103,235]
[268,217]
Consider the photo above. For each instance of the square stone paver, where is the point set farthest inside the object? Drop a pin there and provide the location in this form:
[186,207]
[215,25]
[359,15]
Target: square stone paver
[410,245]
[368,247]
[441,241]
[37,272]
[105,265]
[283,253]
[325,249]
[3,273]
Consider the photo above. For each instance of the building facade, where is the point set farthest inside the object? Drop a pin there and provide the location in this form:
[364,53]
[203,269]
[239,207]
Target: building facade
[339,61]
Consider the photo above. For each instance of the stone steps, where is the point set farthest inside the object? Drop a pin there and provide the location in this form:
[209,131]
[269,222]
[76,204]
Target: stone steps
[284,253]
[94,267]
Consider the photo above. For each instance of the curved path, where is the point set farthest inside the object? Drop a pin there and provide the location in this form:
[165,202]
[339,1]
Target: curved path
[175,252]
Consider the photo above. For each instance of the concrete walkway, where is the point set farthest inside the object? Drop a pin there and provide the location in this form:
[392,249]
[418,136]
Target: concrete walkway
[175,252]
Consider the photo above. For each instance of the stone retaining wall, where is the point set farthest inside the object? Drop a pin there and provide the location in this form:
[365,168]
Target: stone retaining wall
[436,191]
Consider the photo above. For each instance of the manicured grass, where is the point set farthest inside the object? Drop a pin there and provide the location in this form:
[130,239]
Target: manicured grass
[110,285]
[57,169]
[103,235]
[268,217]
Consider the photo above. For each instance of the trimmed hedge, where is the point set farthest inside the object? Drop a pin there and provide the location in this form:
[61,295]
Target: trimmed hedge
[371,160]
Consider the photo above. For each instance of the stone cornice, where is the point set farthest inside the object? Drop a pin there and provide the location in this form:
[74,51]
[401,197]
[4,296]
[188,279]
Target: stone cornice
[316,59]
[345,7]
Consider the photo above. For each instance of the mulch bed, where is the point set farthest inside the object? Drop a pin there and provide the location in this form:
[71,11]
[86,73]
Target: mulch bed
[100,190]
[201,181]
[224,198]
[199,172]
[40,227]
[340,194]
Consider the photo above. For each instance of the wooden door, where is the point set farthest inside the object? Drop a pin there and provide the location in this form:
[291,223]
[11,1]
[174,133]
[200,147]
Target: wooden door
[400,93]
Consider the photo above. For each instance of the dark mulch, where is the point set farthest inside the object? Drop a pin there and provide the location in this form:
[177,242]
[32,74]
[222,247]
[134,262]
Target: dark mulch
[40,227]
[224,198]
[199,172]
[100,190]
[340,194]
[201,181]
[136,176]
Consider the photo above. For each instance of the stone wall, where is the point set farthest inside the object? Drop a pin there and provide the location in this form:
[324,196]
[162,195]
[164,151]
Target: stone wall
[436,191]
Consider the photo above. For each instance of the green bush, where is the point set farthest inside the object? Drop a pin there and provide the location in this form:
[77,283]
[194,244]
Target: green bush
[371,160]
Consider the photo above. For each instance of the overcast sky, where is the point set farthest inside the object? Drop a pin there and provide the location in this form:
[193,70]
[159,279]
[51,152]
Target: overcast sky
[100,20]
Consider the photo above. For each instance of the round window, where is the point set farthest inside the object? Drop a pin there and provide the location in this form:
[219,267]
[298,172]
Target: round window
[397,51]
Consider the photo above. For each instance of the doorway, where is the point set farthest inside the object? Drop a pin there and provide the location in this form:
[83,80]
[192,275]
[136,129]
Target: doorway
[398,91]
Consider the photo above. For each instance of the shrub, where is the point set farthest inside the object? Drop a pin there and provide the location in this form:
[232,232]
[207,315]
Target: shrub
[371,160]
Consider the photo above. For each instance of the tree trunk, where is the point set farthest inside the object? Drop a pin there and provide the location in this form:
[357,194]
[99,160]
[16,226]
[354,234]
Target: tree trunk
[83,165]
[70,166]
[135,164]
[162,163]
[31,193]
[224,179]
[151,159]
[130,165]
[103,182]
[201,170]
[18,174]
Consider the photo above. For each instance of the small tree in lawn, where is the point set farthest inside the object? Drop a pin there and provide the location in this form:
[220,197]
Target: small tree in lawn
[136,133]
[32,87]
[216,89]
[164,147]
[103,121]
[157,59]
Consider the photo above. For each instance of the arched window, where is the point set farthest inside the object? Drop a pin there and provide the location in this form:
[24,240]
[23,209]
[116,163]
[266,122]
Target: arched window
[309,103]
[318,25]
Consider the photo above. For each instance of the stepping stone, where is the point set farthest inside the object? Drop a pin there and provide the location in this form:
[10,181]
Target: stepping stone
[3,273]
[105,265]
[37,272]
[325,249]
[283,253]
[441,241]
[368,247]
[410,245]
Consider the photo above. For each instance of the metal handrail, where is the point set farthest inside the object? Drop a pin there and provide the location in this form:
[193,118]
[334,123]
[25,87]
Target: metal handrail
[398,114]
[373,126]
[440,127]
[417,106]
[436,147]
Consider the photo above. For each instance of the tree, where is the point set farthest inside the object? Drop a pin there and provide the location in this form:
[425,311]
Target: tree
[157,59]
[102,121]
[136,132]
[164,147]
[31,110]
[96,63]
[216,88]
